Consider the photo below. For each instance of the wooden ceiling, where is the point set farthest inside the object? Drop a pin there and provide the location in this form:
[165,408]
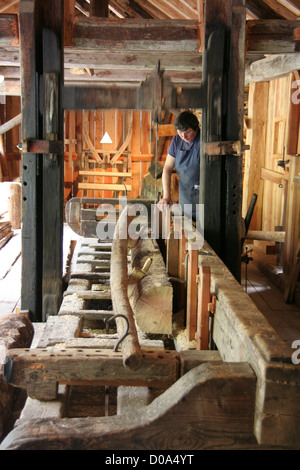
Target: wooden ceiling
[118,60]
[176,9]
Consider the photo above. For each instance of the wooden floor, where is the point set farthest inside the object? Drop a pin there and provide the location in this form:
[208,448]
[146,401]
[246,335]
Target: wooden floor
[10,274]
[284,318]
[10,270]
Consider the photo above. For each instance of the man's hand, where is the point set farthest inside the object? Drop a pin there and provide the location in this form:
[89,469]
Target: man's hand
[164,203]
[166,200]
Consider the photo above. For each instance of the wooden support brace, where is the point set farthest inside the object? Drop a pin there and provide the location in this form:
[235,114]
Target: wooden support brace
[215,401]
[41,370]
[204,299]
[10,124]
[297,34]
[181,269]
[91,146]
[105,186]
[172,253]
[72,134]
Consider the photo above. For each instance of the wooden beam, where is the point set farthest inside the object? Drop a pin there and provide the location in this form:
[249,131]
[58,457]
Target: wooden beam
[71,366]
[221,177]
[271,67]
[9,31]
[234,132]
[80,58]
[69,15]
[271,36]
[103,98]
[271,175]
[275,36]
[254,158]
[53,164]
[123,174]
[42,175]
[103,77]
[10,124]
[158,425]
[32,232]
[104,186]
[266,235]
[204,299]
[129,97]
[99,8]
[136,35]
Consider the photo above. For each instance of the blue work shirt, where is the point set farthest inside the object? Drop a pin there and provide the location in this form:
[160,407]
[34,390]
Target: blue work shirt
[187,166]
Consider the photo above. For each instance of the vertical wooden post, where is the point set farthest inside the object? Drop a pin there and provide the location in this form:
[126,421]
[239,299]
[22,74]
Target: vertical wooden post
[172,265]
[204,299]
[72,135]
[69,15]
[172,254]
[99,8]
[191,303]
[181,270]
[32,229]
[53,165]
[200,11]
[41,39]
[254,158]
[234,132]
[222,119]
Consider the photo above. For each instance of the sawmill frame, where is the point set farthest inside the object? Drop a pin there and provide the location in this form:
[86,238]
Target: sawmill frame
[220,97]
[228,398]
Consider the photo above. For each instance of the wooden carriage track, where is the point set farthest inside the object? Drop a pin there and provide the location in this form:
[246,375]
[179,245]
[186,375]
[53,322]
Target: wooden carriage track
[80,395]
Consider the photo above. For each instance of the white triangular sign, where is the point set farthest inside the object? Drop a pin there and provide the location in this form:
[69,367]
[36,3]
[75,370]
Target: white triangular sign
[106,139]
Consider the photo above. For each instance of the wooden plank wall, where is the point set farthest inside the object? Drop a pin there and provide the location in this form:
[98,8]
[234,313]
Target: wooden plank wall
[273,135]
[135,159]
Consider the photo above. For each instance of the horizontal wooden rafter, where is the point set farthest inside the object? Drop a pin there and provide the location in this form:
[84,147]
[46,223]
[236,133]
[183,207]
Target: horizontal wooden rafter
[136,35]
[271,36]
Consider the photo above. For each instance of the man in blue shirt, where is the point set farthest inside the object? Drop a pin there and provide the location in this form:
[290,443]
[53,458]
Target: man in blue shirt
[184,155]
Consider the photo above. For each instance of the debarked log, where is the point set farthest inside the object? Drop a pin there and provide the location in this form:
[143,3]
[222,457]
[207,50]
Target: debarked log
[152,296]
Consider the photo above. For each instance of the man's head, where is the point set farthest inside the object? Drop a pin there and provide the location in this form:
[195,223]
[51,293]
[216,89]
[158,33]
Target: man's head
[187,125]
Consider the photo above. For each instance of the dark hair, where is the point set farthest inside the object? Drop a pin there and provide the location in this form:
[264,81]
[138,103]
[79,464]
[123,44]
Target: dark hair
[186,120]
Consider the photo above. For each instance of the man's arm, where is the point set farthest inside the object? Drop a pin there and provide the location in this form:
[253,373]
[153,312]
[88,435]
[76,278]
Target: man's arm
[166,182]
